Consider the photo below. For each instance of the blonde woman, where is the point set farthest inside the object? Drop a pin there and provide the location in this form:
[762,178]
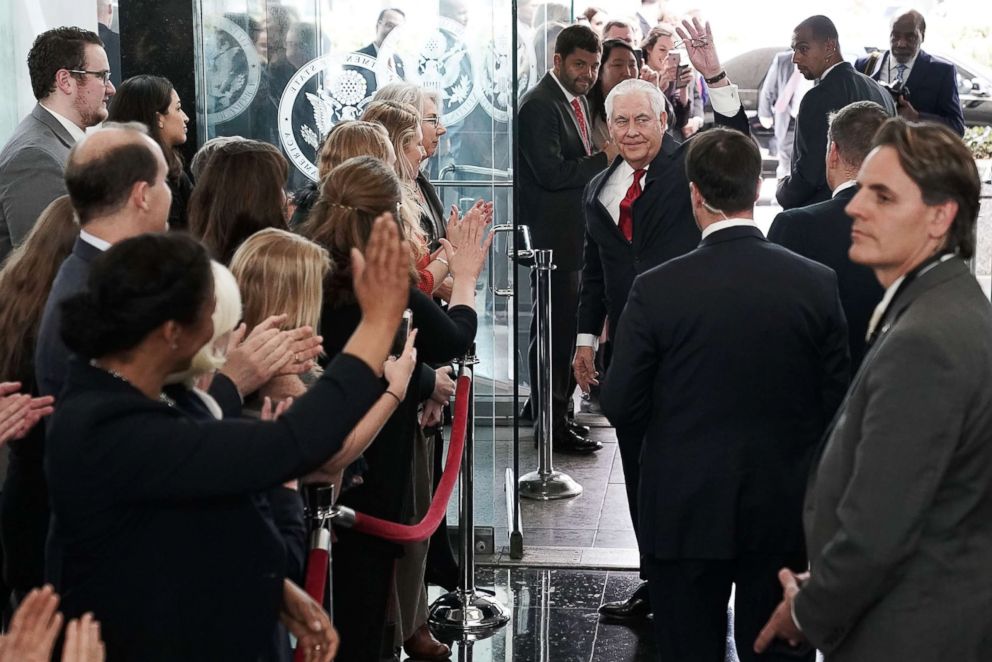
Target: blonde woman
[281,273]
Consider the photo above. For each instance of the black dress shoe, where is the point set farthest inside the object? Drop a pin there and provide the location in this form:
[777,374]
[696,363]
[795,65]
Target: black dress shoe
[567,441]
[633,608]
[577,428]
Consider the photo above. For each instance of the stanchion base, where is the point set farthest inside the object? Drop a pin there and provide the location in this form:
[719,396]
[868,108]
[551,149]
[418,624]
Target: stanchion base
[554,485]
[458,614]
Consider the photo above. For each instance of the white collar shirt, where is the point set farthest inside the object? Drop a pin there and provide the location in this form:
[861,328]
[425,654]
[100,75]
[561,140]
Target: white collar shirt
[616,187]
[728,223]
[70,126]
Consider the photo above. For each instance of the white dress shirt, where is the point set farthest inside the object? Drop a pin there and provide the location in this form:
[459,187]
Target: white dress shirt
[94,241]
[827,72]
[728,223]
[842,187]
[70,126]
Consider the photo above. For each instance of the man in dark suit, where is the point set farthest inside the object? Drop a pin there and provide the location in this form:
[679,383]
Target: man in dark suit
[898,513]
[816,52]
[732,358]
[556,163]
[822,231]
[69,77]
[932,83]
[638,215]
[389,20]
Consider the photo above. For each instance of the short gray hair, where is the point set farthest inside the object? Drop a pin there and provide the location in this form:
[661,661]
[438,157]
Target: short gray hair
[635,86]
[414,95]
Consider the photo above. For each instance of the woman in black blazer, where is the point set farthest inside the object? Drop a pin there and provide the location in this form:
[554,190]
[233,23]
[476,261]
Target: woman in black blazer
[352,195]
[153,526]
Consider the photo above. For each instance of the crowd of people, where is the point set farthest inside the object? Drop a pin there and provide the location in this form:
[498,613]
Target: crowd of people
[806,416]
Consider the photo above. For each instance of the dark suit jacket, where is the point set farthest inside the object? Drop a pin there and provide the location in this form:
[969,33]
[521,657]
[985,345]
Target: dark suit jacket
[932,84]
[554,168]
[434,222]
[822,232]
[842,86]
[734,358]
[663,228]
[31,165]
[898,513]
[51,356]
[153,525]
[371,50]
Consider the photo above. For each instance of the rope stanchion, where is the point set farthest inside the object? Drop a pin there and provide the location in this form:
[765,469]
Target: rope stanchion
[407,533]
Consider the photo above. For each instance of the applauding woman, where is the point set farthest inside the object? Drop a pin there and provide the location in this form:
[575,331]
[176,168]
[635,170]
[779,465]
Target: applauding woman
[154,530]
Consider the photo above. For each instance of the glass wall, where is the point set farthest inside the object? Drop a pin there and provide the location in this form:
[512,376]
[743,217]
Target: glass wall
[287,71]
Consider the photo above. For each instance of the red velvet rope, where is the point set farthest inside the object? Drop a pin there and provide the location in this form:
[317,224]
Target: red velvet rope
[404,533]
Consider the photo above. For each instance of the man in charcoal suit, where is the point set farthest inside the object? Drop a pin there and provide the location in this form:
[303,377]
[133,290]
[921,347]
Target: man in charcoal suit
[817,54]
[822,231]
[639,215]
[557,160]
[732,359]
[70,79]
[932,83]
[898,514]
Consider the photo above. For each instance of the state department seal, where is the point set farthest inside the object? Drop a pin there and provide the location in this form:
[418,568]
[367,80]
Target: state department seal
[326,90]
[233,69]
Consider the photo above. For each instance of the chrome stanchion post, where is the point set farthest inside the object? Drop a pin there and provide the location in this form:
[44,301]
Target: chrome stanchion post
[465,612]
[545,484]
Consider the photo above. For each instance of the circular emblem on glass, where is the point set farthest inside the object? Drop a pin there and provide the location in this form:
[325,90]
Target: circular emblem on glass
[442,64]
[494,76]
[233,69]
[323,92]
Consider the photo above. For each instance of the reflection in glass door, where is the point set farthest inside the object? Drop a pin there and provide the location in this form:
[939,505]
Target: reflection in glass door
[286,71]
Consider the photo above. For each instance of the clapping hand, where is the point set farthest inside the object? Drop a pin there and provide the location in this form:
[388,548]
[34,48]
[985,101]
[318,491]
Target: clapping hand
[466,257]
[20,412]
[268,351]
[36,624]
[457,226]
[698,41]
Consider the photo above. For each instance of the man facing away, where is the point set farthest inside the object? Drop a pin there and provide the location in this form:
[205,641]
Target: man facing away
[898,514]
[70,78]
[732,359]
[822,231]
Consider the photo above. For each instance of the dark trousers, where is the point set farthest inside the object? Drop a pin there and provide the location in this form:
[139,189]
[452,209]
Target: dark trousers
[363,580]
[689,599]
[629,440]
[564,322]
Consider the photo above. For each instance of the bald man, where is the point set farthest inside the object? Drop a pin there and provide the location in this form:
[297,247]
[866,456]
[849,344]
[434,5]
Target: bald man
[931,83]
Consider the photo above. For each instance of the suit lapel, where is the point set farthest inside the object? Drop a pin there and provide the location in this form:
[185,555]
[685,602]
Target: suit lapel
[918,76]
[552,87]
[46,118]
[646,218]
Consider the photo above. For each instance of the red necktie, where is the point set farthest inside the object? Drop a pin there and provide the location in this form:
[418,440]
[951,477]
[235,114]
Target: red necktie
[581,118]
[627,204]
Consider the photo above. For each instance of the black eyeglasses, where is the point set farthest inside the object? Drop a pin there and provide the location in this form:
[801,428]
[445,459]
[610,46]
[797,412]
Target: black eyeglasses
[432,119]
[105,75]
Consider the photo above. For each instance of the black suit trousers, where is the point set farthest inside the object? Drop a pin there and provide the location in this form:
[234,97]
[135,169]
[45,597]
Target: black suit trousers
[564,325]
[689,601]
[363,578]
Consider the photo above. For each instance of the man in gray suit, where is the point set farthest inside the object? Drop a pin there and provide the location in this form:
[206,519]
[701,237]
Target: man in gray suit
[778,105]
[898,512]
[70,78]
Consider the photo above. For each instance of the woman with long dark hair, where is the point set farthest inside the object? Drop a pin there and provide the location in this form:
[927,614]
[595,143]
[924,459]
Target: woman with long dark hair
[153,101]
[153,524]
[618,64]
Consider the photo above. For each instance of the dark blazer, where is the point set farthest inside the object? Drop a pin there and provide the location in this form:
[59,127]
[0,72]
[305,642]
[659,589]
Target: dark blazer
[734,358]
[822,232]
[898,513]
[153,525]
[842,86]
[554,168]
[434,221]
[932,85]
[442,336]
[663,228]
[51,356]
[31,165]
[372,51]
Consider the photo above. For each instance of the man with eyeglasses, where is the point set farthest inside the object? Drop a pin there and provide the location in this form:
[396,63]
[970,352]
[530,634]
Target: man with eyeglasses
[70,78]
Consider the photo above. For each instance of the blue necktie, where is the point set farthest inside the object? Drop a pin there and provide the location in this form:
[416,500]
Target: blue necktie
[900,72]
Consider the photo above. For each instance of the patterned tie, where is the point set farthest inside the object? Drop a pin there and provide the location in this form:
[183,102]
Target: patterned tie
[900,72]
[627,204]
[581,118]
